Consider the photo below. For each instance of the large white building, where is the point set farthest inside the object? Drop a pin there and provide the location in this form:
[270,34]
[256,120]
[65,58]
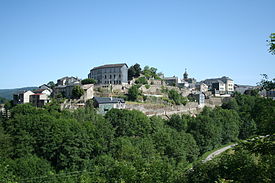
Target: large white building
[224,85]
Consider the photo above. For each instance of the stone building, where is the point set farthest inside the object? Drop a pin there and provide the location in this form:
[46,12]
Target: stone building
[171,81]
[116,74]
[67,91]
[67,81]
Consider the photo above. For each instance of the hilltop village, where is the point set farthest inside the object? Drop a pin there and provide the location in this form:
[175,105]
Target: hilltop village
[119,86]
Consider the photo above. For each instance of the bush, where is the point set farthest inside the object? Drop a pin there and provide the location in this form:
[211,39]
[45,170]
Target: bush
[141,80]
[147,86]
[77,92]
[88,81]
[176,97]
[133,93]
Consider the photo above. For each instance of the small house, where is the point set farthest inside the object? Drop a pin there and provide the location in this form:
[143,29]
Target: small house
[104,104]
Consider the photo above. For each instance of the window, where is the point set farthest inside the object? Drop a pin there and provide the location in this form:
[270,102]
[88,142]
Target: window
[105,77]
[110,76]
[119,76]
[114,76]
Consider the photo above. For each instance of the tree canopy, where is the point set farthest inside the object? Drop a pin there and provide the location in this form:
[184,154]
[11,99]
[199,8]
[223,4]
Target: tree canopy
[77,92]
[49,145]
[271,43]
[134,71]
[88,81]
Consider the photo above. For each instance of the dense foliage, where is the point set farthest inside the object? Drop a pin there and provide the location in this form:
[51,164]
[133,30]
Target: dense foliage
[88,81]
[133,93]
[142,81]
[134,71]
[271,43]
[251,161]
[150,72]
[176,97]
[77,92]
[49,145]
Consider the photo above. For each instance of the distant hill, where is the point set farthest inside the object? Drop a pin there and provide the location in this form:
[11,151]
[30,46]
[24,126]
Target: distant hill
[7,93]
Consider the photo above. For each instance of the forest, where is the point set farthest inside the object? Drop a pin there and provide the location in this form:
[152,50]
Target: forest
[49,145]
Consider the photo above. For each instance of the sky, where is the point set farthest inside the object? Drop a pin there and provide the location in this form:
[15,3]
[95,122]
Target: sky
[44,40]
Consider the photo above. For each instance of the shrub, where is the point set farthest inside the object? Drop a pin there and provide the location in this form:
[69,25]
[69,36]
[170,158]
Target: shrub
[147,86]
[141,80]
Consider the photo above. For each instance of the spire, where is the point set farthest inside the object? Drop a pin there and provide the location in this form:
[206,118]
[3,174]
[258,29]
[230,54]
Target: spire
[185,75]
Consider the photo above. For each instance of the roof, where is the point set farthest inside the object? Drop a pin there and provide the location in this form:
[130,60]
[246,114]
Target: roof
[226,78]
[218,81]
[107,100]
[212,80]
[110,66]
[22,92]
[38,94]
[170,78]
[39,91]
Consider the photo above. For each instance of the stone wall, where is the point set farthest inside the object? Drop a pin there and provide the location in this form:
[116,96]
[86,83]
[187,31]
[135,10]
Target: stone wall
[165,110]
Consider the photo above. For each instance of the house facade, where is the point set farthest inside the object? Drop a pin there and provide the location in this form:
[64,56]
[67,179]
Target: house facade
[202,87]
[88,92]
[110,74]
[67,91]
[171,81]
[22,97]
[40,97]
[64,90]
[104,104]
[218,87]
[223,85]
[200,98]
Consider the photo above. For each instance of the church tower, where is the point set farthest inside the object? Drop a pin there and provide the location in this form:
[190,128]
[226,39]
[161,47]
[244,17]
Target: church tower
[185,75]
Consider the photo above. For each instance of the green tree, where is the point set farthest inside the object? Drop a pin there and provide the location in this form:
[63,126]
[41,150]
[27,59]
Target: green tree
[141,80]
[178,122]
[206,131]
[77,92]
[266,83]
[51,84]
[271,43]
[6,147]
[31,168]
[133,93]
[176,97]
[134,71]
[129,123]
[150,72]
[88,81]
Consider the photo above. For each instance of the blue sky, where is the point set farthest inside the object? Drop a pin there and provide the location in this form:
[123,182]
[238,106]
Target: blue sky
[43,40]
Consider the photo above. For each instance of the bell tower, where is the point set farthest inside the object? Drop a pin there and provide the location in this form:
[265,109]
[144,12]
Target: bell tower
[185,75]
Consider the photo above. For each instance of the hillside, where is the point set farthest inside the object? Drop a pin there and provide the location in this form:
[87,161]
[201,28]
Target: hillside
[7,93]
